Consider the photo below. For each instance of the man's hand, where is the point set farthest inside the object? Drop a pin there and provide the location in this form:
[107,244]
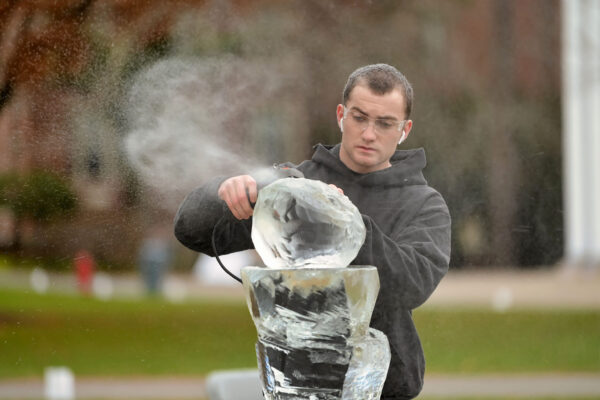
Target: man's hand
[238,192]
[336,188]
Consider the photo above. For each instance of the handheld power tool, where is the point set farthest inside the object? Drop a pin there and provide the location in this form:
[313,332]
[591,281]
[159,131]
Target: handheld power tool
[263,178]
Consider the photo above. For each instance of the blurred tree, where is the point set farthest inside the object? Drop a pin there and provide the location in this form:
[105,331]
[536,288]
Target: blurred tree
[40,196]
[43,196]
[9,187]
[503,163]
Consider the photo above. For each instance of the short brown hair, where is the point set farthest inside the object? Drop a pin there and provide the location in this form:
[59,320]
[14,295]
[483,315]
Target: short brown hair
[381,79]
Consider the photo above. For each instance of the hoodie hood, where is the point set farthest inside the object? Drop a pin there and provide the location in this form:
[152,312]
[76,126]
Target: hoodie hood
[406,170]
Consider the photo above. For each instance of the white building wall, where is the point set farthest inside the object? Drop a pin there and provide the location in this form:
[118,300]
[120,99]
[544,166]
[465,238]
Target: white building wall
[581,130]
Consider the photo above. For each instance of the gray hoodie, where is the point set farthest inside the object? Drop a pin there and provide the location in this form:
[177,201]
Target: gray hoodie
[408,240]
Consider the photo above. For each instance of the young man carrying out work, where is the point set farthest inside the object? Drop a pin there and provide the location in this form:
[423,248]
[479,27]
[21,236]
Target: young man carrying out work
[408,224]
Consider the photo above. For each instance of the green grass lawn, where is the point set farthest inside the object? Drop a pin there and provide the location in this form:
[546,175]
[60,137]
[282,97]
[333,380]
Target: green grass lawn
[153,337]
[121,337]
[517,341]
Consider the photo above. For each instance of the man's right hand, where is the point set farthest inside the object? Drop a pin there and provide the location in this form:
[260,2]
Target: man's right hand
[238,192]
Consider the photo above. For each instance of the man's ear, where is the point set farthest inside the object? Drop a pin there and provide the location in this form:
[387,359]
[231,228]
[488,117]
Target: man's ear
[407,128]
[403,137]
[339,113]
[405,131]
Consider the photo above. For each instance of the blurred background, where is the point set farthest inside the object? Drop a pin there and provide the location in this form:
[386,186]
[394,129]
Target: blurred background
[112,110]
[261,80]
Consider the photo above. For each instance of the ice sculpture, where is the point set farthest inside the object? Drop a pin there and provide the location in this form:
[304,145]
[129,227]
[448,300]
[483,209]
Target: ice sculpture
[314,340]
[303,222]
[312,310]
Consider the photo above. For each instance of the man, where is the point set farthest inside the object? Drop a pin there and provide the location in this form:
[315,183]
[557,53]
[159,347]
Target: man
[408,224]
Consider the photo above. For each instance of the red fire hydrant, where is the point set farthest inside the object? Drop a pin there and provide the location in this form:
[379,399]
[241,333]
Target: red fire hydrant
[84,268]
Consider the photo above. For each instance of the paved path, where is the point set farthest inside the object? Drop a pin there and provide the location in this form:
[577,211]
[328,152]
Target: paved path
[526,385]
[501,289]
[559,287]
[111,388]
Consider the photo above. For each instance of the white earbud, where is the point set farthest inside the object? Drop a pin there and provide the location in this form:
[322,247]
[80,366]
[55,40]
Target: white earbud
[402,137]
[342,124]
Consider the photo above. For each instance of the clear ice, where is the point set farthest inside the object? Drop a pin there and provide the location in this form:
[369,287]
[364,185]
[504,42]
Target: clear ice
[311,310]
[302,222]
[314,340]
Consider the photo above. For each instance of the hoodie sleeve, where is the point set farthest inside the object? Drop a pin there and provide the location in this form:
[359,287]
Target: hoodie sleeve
[414,258]
[203,212]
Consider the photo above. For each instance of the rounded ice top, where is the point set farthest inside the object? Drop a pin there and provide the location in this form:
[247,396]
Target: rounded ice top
[301,222]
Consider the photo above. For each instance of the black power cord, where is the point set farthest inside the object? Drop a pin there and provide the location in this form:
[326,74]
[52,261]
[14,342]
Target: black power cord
[228,272]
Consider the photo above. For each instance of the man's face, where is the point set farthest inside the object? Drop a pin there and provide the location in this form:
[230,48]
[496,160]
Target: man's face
[369,149]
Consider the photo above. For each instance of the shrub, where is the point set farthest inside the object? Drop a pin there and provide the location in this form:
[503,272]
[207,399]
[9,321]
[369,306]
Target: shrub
[40,195]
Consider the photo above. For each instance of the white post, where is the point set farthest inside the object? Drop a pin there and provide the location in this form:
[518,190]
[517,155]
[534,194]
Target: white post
[59,383]
[581,130]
